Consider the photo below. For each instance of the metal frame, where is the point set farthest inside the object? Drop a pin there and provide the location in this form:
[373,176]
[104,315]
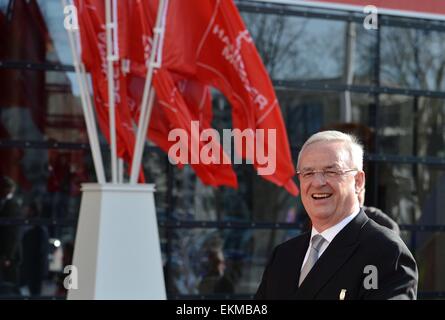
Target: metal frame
[29,65]
[353,8]
[297,9]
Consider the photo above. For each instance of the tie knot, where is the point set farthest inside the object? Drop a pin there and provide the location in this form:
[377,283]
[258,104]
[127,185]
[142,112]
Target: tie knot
[317,241]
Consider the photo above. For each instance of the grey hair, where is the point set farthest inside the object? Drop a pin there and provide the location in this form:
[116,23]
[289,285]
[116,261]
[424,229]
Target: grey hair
[351,141]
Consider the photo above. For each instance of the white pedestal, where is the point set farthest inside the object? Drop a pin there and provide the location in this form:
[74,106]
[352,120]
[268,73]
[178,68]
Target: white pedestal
[117,251]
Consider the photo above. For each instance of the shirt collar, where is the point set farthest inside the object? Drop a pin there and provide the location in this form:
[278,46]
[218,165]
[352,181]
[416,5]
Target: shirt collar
[330,233]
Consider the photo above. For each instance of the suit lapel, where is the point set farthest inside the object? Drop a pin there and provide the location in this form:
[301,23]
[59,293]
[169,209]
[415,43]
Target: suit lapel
[337,253]
[296,261]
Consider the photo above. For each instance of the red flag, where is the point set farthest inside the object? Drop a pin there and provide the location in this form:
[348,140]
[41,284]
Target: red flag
[173,111]
[208,41]
[91,15]
[193,105]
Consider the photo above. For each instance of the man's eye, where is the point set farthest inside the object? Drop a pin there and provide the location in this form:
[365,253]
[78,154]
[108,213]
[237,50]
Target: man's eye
[308,174]
[330,173]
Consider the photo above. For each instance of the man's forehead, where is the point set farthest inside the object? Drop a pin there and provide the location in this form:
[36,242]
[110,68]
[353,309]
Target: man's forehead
[325,153]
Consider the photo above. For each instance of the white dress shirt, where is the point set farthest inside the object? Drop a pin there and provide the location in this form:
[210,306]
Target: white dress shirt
[329,235]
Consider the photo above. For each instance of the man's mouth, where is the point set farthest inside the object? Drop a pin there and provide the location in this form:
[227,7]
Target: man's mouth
[320,196]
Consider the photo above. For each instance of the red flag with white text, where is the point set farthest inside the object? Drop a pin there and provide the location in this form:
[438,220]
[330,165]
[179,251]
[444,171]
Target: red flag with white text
[193,105]
[207,40]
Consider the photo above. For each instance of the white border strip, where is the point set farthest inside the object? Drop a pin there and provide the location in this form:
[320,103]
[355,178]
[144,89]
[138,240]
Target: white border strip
[350,7]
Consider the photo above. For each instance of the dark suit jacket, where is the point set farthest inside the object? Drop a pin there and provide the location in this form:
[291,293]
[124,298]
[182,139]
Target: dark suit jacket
[360,243]
[381,218]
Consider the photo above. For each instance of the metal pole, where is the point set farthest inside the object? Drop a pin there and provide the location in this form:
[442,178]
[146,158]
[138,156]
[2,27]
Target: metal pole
[147,100]
[87,108]
[120,165]
[111,102]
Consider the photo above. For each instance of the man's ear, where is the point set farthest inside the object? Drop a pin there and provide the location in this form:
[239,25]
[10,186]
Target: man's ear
[359,181]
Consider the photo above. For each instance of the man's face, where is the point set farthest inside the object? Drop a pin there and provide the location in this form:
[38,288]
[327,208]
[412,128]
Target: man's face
[328,200]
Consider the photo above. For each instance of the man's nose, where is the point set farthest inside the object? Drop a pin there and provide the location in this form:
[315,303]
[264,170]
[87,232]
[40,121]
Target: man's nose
[319,178]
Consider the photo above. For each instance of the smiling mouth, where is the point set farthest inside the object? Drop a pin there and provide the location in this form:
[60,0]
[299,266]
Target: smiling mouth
[321,196]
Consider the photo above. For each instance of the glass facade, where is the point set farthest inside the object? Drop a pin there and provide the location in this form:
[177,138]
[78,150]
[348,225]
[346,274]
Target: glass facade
[385,85]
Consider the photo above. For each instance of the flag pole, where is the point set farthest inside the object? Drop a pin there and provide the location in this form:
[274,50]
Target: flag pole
[148,95]
[110,74]
[90,111]
[120,167]
[86,108]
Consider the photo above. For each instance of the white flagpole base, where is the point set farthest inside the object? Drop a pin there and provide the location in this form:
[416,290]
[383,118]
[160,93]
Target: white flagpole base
[117,250]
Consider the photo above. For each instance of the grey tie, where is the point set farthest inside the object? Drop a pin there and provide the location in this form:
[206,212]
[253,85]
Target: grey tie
[316,243]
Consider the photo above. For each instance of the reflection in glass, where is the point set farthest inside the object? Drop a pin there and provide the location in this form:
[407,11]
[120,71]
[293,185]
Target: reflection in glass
[430,127]
[298,48]
[307,112]
[210,261]
[412,193]
[364,55]
[412,58]
[156,171]
[396,125]
[36,104]
[431,261]
[49,180]
[191,199]
[48,112]
[32,253]
[412,126]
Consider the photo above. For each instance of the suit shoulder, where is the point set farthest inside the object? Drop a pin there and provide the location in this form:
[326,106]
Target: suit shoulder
[381,238]
[381,218]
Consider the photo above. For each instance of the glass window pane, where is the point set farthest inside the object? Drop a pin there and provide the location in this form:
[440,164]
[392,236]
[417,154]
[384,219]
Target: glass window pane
[36,33]
[306,112]
[274,204]
[255,199]
[38,105]
[396,124]
[229,261]
[155,165]
[431,261]
[47,181]
[33,256]
[412,193]
[412,126]
[25,34]
[364,55]
[61,255]
[427,248]
[429,126]
[412,58]
[191,199]
[295,48]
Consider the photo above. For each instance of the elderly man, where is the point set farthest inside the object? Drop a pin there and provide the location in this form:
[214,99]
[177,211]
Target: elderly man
[345,255]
